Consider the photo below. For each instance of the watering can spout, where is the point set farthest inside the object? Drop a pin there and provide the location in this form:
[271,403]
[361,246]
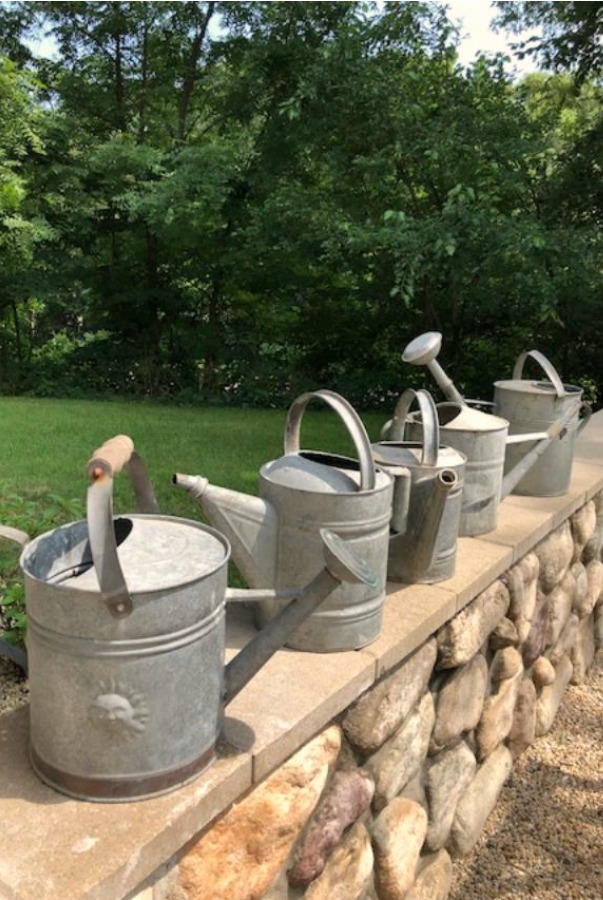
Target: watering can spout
[341,563]
[427,529]
[543,439]
[422,351]
[249,523]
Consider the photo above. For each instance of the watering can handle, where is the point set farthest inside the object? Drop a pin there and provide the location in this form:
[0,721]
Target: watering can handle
[547,367]
[14,534]
[111,457]
[106,462]
[350,419]
[429,420]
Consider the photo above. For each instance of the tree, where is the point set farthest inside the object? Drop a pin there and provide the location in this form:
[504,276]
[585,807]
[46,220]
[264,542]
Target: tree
[251,199]
[23,230]
[568,34]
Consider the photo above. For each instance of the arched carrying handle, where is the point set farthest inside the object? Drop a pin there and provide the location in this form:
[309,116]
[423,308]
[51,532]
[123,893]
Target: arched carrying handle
[350,419]
[111,457]
[547,367]
[106,462]
[429,421]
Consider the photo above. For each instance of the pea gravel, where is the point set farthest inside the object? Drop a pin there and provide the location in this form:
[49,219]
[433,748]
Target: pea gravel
[14,690]
[544,838]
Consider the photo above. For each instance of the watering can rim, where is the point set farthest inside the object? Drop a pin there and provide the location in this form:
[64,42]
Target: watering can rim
[351,464]
[495,422]
[538,386]
[70,585]
[412,461]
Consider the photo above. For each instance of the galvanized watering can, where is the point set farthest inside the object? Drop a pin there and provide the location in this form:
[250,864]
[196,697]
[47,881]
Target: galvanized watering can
[529,404]
[126,643]
[496,462]
[427,495]
[276,537]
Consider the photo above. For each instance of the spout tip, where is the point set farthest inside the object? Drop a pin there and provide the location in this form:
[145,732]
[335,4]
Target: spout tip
[194,484]
[447,479]
[423,349]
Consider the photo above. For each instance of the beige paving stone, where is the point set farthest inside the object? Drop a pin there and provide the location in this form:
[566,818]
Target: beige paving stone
[58,848]
[589,443]
[519,528]
[559,508]
[479,562]
[292,697]
[587,476]
[590,449]
[412,613]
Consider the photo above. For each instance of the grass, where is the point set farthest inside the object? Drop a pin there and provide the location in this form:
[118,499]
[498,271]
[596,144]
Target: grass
[45,444]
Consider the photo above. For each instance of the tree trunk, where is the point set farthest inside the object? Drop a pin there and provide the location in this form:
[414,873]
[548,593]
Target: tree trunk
[18,340]
[190,74]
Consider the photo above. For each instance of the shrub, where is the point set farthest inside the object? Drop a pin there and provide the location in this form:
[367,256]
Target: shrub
[34,514]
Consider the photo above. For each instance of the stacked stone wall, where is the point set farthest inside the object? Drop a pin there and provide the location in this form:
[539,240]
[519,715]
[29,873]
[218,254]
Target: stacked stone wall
[378,803]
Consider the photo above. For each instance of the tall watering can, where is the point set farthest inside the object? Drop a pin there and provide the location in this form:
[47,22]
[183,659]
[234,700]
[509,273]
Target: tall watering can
[427,495]
[126,643]
[529,404]
[484,439]
[276,537]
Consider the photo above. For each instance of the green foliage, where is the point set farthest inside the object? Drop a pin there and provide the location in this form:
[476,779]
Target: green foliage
[33,514]
[232,203]
[567,35]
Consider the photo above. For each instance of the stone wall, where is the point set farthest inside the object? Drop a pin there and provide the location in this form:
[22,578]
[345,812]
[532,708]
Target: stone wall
[376,804]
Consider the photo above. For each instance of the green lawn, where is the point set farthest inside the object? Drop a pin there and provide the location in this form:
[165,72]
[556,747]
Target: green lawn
[45,445]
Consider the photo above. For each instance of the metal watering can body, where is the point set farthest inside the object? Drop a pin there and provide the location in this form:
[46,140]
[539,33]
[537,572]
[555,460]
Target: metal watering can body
[126,634]
[427,497]
[482,439]
[499,455]
[276,537]
[532,405]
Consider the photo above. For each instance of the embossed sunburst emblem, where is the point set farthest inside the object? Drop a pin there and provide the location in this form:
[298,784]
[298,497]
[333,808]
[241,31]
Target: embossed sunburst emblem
[119,710]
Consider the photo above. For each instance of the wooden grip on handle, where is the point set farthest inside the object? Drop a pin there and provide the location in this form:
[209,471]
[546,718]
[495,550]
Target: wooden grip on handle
[111,457]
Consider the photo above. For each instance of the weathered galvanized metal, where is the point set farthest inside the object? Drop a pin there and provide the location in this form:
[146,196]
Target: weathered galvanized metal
[535,404]
[485,440]
[275,537]
[126,643]
[482,440]
[422,351]
[427,496]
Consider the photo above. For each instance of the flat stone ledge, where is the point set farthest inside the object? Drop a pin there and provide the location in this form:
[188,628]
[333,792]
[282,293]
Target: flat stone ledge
[57,848]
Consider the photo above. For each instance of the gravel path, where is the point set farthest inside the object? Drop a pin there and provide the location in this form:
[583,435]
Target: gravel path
[544,838]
